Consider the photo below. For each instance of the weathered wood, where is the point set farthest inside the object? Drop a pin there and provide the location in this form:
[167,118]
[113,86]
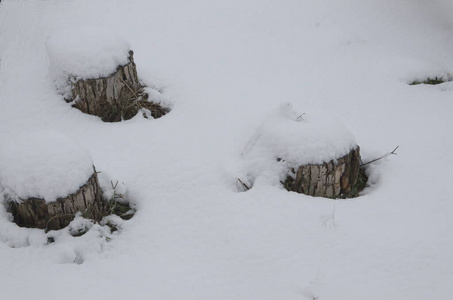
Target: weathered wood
[36,213]
[334,179]
[116,97]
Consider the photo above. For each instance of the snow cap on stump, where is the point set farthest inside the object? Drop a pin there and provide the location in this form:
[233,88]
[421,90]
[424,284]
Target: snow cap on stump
[46,179]
[43,165]
[301,138]
[84,52]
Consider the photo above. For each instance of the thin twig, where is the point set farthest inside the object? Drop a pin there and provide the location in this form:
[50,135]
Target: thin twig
[244,186]
[301,117]
[130,89]
[383,156]
[54,217]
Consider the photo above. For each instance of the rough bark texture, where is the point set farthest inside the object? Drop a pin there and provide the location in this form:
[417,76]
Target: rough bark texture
[335,179]
[36,213]
[116,97]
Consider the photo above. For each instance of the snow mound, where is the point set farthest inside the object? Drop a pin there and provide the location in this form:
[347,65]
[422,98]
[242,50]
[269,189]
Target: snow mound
[308,138]
[82,53]
[43,165]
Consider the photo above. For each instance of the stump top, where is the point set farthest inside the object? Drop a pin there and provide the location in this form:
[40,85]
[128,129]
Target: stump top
[85,53]
[313,137]
[43,165]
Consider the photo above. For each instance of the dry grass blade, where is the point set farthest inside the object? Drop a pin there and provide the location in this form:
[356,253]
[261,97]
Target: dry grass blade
[241,186]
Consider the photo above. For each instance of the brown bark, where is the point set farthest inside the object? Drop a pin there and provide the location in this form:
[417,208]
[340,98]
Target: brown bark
[36,213]
[334,179]
[116,97]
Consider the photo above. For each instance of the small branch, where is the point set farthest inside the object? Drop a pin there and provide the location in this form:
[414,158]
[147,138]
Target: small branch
[383,156]
[243,185]
[301,117]
[114,185]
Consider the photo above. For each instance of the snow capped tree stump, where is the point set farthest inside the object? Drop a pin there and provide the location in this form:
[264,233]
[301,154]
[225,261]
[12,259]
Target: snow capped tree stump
[36,213]
[46,179]
[96,73]
[117,97]
[313,153]
[334,179]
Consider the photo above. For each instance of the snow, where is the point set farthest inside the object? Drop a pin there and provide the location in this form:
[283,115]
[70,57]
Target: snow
[85,52]
[43,165]
[301,138]
[226,66]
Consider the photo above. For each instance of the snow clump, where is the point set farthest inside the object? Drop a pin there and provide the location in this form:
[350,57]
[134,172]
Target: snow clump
[84,53]
[43,165]
[300,138]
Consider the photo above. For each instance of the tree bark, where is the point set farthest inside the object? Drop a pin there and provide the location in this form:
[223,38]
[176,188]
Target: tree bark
[337,178]
[36,213]
[116,97]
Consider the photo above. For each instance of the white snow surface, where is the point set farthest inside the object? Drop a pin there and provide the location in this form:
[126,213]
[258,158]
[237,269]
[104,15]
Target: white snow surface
[85,52]
[225,65]
[300,138]
[43,165]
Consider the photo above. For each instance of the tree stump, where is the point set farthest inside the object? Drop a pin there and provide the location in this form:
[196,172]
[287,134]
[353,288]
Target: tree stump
[119,96]
[337,178]
[316,153]
[36,213]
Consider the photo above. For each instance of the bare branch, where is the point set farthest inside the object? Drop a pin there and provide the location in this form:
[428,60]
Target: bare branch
[383,156]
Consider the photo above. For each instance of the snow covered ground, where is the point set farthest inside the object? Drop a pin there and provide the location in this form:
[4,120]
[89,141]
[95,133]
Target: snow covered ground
[225,65]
